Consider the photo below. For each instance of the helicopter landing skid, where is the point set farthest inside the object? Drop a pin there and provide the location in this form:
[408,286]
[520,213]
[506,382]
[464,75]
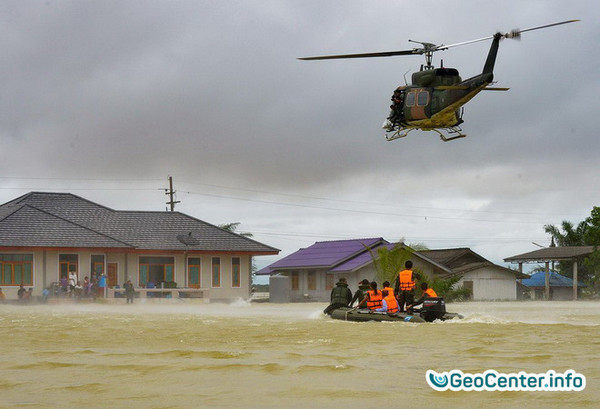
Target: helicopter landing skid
[401,133]
[455,131]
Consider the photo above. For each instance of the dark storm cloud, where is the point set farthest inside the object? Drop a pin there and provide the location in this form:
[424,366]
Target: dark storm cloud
[211,92]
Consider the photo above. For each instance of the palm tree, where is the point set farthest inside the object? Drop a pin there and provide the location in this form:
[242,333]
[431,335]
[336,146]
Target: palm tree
[388,262]
[232,227]
[569,236]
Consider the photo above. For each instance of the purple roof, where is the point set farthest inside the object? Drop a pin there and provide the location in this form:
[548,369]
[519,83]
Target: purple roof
[324,254]
[360,260]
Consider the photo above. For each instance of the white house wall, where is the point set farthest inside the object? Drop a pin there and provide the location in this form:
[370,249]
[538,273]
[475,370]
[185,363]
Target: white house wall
[491,284]
[322,293]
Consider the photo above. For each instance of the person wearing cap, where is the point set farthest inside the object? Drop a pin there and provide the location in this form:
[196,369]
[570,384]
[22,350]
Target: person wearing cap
[361,293]
[427,293]
[340,296]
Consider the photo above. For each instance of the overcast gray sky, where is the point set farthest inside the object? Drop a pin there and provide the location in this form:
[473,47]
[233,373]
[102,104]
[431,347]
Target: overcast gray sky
[106,99]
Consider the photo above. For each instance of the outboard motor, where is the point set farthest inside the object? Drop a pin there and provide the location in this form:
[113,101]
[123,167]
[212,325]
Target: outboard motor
[434,308]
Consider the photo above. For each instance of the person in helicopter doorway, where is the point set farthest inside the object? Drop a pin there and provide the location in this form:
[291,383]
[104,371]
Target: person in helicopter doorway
[374,298]
[397,107]
[341,296]
[427,293]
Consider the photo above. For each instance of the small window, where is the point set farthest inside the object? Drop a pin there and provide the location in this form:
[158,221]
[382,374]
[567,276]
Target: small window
[216,272]
[423,98]
[410,99]
[295,280]
[235,272]
[329,282]
[312,280]
[16,269]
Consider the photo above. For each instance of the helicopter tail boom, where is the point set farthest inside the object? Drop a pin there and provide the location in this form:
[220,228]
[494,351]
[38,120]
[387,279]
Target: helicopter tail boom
[488,68]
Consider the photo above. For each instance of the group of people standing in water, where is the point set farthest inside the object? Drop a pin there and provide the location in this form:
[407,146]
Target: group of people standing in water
[401,298]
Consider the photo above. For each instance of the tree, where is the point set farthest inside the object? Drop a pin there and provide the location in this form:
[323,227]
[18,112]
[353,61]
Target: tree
[592,232]
[446,287]
[388,262]
[569,236]
[587,233]
[232,228]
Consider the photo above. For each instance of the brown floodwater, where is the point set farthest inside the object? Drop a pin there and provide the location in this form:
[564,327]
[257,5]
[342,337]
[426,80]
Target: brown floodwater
[245,355]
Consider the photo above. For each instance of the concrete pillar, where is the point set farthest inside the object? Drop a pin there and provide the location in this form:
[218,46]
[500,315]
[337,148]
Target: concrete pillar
[547,284]
[521,271]
[574,279]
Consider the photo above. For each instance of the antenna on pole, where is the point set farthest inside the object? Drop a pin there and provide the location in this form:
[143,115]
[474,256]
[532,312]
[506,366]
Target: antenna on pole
[171,193]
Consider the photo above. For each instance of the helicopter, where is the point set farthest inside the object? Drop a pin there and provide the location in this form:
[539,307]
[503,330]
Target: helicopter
[435,100]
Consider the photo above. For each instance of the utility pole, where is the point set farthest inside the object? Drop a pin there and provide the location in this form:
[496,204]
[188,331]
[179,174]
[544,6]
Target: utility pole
[171,193]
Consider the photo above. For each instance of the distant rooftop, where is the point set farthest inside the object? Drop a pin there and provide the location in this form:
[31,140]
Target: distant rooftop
[324,254]
[556,280]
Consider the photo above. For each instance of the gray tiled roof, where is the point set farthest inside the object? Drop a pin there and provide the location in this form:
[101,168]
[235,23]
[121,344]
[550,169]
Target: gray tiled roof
[40,219]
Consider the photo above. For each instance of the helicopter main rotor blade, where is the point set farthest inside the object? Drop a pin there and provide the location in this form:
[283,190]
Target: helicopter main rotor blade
[513,34]
[429,48]
[548,25]
[363,55]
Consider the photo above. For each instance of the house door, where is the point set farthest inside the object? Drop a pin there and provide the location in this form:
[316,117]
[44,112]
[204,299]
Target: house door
[113,274]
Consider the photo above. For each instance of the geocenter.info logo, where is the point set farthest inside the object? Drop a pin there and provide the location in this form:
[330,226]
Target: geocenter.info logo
[491,380]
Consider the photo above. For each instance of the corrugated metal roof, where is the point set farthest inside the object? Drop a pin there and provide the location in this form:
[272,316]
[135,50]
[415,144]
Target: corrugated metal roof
[552,254]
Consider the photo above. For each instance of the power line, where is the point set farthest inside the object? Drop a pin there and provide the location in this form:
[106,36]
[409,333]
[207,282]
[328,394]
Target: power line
[337,209]
[280,203]
[367,202]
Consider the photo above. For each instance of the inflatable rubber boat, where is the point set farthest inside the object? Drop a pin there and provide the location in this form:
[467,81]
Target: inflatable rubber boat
[433,309]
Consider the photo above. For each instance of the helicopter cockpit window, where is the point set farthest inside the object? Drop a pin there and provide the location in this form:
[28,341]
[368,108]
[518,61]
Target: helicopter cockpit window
[422,98]
[410,99]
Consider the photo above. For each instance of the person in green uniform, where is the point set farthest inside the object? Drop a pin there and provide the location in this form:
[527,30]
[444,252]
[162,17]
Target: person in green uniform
[340,296]
[361,293]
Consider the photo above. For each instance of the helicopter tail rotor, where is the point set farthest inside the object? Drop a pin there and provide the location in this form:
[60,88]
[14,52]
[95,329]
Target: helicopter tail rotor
[515,34]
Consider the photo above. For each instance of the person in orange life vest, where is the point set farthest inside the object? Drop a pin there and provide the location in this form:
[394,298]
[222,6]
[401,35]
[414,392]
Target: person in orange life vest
[389,303]
[386,286]
[405,285]
[374,298]
[427,293]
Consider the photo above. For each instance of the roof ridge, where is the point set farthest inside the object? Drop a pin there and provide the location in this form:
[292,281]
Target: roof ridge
[340,240]
[16,200]
[77,224]
[12,211]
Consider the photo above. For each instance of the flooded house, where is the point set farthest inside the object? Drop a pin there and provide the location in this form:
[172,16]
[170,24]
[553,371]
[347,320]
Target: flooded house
[310,273]
[47,236]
